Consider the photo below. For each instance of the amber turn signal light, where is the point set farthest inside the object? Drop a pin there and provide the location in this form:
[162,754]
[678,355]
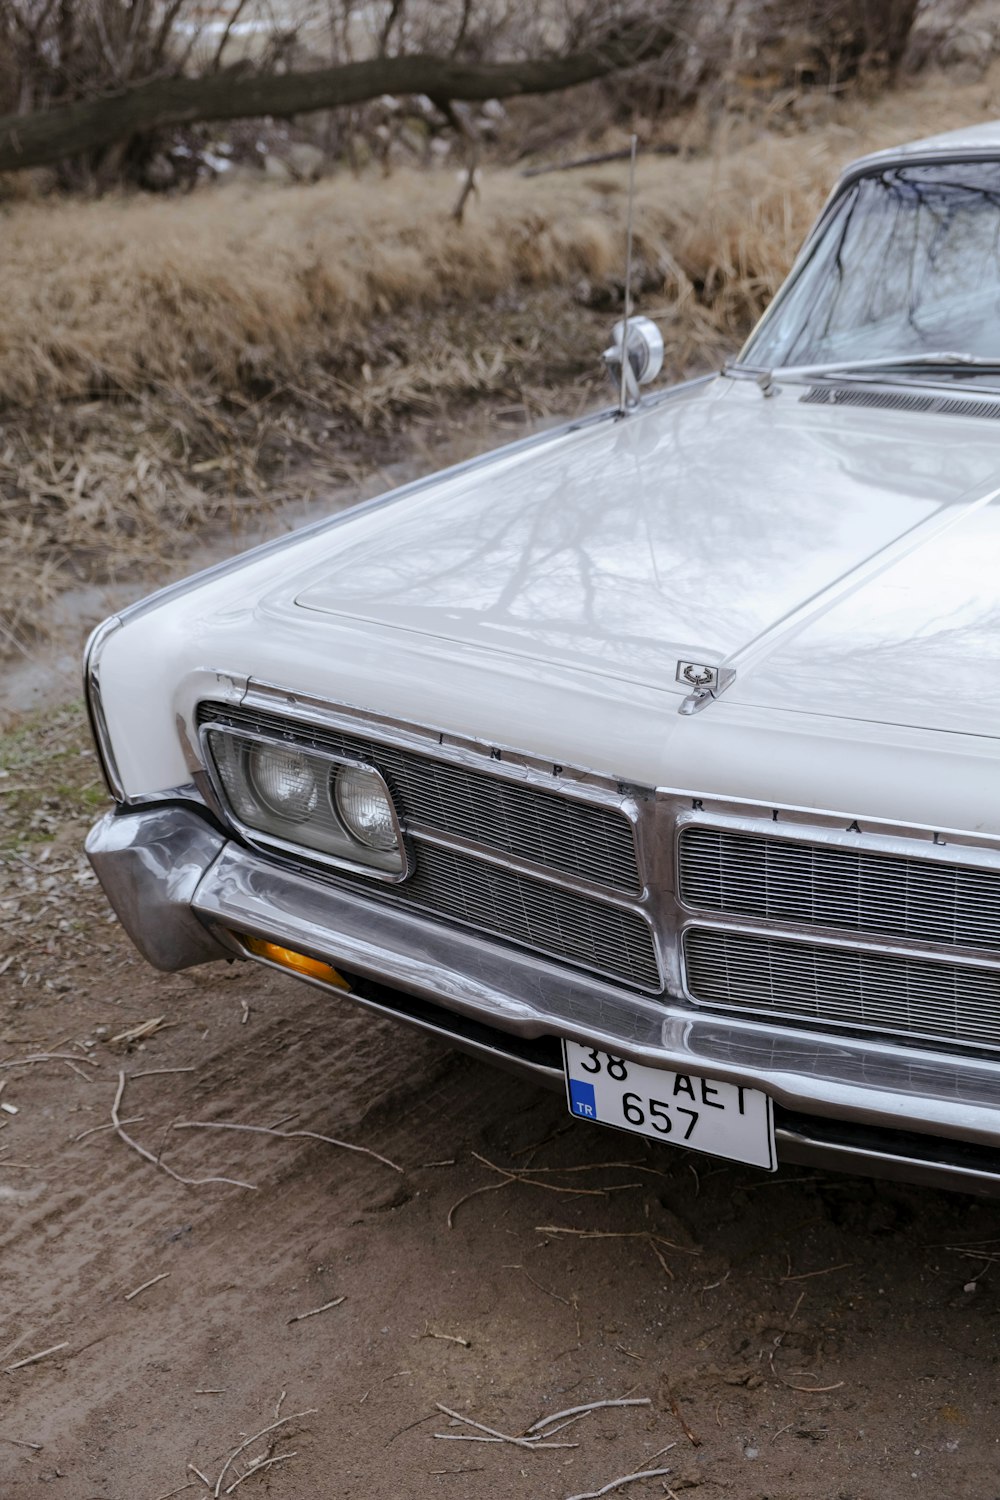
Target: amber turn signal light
[299,963]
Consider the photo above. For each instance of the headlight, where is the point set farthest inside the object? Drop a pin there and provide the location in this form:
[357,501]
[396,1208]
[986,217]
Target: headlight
[364,807]
[308,801]
[284,781]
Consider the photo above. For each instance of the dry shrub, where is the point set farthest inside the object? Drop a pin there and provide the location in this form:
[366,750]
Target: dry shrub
[215,321]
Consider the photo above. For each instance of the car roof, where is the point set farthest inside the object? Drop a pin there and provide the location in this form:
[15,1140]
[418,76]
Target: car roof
[974,140]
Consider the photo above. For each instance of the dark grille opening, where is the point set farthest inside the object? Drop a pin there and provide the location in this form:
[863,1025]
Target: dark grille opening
[823,885]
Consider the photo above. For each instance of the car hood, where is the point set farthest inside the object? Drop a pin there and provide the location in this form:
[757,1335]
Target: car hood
[840,561]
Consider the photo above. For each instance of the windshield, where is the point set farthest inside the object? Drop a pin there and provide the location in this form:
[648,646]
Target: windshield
[908,264]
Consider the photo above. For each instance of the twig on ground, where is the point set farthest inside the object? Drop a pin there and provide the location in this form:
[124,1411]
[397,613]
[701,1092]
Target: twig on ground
[519,1175]
[491,1187]
[146,1284]
[155,1160]
[286,1135]
[39,1057]
[615,1234]
[467,1437]
[158,1072]
[809,1390]
[20,1443]
[654,1241]
[547,1290]
[77,1070]
[662,1259]
[691,1436]
[452,1338]
[298,1318]
[96,1129]
[32,1359]
[572,1411]
[179,1490]
[203,1477]
[257,1468]
[617,1484]
[140,1032]
[22,1338]
[279,1404]
[501,1437]
[827,1271]
[281,1422]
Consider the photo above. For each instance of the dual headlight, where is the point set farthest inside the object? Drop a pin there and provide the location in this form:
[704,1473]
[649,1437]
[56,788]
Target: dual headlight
[310,801]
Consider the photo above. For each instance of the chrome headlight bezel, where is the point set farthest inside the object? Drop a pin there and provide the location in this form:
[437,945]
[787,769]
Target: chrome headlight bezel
[390,867]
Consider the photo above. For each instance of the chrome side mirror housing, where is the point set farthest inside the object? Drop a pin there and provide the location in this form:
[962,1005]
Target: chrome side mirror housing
[643,356]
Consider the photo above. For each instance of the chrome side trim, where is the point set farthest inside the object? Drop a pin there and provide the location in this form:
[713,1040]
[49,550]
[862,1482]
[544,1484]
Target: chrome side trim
[95,705]
[150,864]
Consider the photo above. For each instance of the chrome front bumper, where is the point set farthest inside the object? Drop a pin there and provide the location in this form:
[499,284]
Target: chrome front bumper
[182,890]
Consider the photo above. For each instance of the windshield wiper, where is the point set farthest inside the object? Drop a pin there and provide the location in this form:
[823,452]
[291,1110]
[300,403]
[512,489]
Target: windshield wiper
[947,360]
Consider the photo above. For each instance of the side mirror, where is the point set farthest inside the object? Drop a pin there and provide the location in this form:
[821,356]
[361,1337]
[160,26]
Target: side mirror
[643,356]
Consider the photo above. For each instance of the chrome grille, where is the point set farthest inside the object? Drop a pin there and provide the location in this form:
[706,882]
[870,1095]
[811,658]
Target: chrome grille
[826,885]
[559,835]
[594,843]
[884,992]
[565,924]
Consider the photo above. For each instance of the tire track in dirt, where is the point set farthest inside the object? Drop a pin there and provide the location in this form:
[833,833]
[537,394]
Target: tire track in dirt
[796,1389]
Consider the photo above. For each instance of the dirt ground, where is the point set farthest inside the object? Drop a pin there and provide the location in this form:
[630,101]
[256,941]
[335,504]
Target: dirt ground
[809,1335]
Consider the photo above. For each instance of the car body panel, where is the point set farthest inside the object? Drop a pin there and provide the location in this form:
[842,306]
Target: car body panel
[523,618]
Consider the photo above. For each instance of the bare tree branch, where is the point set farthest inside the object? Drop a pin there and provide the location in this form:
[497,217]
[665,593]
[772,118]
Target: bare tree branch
[88,125]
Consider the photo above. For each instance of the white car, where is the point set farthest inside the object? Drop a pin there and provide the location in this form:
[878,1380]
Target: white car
[657,755]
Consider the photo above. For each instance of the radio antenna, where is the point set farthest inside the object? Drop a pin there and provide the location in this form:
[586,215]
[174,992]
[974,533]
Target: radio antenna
[622,389]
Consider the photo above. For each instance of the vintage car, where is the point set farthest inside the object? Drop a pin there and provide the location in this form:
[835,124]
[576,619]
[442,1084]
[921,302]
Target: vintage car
[656,755]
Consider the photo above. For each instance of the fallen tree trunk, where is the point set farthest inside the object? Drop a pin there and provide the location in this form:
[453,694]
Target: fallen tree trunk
[47,136]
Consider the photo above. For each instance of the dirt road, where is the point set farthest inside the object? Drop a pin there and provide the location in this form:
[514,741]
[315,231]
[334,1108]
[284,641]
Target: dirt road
[798,1337]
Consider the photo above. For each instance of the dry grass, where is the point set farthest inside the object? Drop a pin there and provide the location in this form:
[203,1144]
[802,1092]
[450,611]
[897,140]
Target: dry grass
[160,356]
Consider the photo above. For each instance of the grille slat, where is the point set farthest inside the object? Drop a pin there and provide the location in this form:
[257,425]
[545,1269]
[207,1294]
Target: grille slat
[560,834]
[856,890]
[883,992]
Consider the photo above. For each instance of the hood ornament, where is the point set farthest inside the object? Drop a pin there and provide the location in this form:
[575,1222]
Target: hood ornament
[705,681]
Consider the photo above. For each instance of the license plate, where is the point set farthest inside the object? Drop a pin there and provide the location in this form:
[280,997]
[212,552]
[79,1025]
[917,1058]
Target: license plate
[702,1114]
